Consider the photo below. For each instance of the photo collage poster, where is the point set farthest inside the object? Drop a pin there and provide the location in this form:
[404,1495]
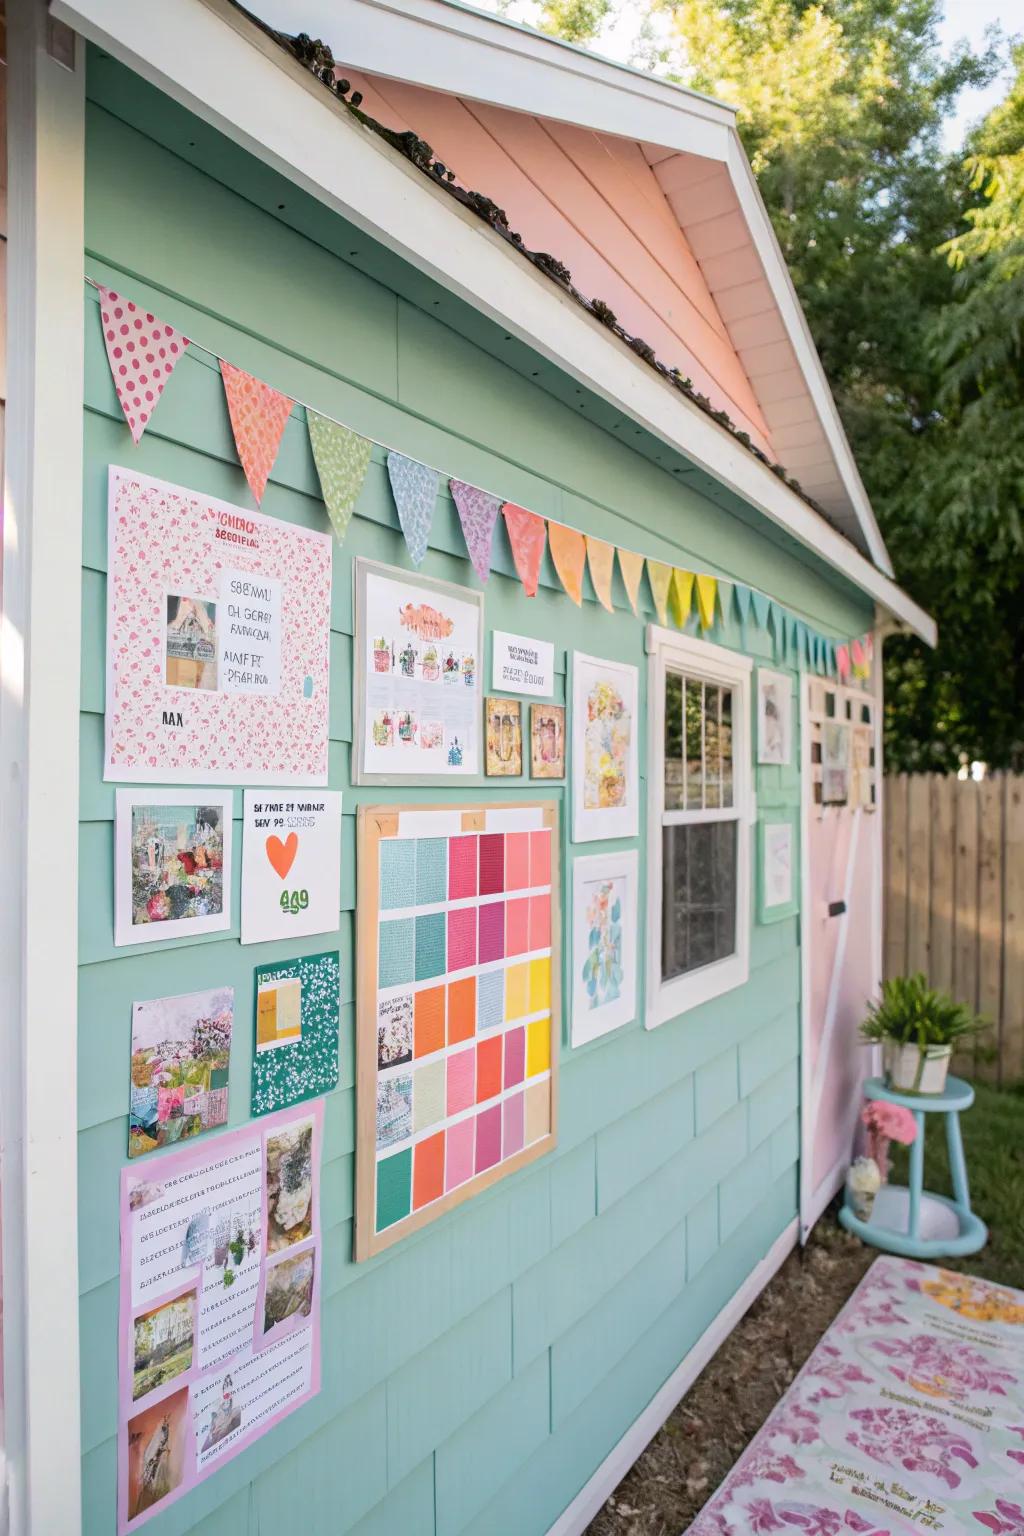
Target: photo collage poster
[419,685]
[218,659]
[219,1332]
[458,1006]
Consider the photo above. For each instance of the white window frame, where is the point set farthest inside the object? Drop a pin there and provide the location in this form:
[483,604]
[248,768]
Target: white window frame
[668,650]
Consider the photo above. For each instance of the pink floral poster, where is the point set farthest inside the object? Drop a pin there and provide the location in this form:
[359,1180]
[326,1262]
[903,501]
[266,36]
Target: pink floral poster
[908,1417]
[218,640]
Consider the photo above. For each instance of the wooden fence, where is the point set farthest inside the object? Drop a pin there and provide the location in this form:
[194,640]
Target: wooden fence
[954,901]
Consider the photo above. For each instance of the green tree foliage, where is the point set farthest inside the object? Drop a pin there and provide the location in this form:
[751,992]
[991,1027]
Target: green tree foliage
[909,267]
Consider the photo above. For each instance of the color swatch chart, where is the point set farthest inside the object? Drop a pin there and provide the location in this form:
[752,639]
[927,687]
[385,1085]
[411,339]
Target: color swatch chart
[463,1002]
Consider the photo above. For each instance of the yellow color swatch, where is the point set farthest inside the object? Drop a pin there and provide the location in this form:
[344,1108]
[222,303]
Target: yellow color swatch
[538,1047]
[517,980]
[540,984]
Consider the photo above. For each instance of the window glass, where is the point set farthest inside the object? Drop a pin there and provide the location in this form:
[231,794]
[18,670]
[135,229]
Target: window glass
[725,737]
[675,792]
[699,889]
[694,744]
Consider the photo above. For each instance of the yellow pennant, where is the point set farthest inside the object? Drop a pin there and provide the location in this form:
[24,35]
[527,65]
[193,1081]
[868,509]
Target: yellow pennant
[682,596]
[568,551]
[632,568]
[601,557]
[660,578]
[707,587]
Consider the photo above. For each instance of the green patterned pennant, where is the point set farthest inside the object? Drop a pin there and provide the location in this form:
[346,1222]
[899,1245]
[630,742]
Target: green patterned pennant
[297,1019]
[342,458]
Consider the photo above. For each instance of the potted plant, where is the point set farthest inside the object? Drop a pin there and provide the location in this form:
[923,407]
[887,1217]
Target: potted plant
[918,1029]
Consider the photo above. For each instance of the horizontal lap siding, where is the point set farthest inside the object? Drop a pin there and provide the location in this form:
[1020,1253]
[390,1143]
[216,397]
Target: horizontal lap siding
[476,1374]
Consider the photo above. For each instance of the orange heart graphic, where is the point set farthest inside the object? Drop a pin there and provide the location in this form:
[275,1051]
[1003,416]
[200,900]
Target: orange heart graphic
[282,855]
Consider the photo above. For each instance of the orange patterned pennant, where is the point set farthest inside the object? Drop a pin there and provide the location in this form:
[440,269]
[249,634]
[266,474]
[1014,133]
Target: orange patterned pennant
[601,557]
[632,568]
[526,534]
[569,552]
[258,415]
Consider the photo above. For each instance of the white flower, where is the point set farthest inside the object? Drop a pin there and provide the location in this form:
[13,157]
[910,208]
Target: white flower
[864,1177]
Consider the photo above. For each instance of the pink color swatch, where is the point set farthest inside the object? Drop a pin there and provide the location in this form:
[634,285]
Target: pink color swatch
[492,931]
[517,926]
[458,1162]
[461,1080]
[462,867]
[517,861]
[515,1056]
[488,1138]
[540,922]
[512,1115]
[492,863]
[540,858]
[461,938]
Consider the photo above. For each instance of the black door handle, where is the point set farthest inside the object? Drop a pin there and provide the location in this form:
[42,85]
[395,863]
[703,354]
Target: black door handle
[836,908]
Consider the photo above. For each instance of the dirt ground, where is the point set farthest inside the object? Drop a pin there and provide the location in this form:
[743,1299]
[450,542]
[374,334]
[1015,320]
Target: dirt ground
[730,1400]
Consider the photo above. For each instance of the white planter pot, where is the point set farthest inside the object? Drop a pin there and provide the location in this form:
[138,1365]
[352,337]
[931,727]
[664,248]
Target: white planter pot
[911,1070]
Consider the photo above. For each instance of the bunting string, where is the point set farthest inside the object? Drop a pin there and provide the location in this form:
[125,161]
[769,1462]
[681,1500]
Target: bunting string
[342,457]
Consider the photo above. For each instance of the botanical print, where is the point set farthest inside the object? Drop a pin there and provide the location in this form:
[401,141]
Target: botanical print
[835,762]
[219,630]
[606,747]
[547,741]
[602,970]
[289,1290]
[156,1452]
[504,738]
[778,863]
[163,1343]
[604,900]
[289,1185]
[298,1009]
[605,727]
[177,862]
[181,1049]
[774,717]
[191,643]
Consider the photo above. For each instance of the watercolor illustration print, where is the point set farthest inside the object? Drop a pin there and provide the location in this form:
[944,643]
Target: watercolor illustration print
[603,967]
[547,741]
[191,642]
[225,1415]
[504,738]
[164,1339]
[289,1185]
[181,1048]
[177,857]
[289,1290]
[774,717]
[605,747]
[156,1452]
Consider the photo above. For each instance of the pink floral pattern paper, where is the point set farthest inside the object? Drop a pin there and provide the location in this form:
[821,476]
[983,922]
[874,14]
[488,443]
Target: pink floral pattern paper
[170,548]
[908,1417]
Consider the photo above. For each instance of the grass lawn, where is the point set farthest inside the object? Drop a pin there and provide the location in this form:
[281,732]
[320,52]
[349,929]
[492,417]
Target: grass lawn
[993,1135]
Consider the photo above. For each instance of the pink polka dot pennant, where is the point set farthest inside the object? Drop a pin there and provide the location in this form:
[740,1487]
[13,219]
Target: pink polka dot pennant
[258,416]
[142,352]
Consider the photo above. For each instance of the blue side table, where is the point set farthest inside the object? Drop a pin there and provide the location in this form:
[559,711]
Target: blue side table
[912,1222]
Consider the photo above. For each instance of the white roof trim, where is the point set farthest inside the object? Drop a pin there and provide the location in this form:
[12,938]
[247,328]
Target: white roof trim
[208,57]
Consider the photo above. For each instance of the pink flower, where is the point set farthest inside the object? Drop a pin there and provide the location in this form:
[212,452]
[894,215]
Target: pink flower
[886,1122]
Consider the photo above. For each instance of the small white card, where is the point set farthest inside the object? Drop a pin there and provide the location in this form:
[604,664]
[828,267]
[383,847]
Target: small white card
[291,863]
[522,665]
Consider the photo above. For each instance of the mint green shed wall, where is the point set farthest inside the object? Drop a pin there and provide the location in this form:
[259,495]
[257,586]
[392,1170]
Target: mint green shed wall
[476,1375]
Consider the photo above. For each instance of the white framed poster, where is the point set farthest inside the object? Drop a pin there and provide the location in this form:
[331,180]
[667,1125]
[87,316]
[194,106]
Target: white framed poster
[291,864]
[604,925]
[218,640]
[172,863]
[774,717]
[605,733]
[417,685]
[522,665]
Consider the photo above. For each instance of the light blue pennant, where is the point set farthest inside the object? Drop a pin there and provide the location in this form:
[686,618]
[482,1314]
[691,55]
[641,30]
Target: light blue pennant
[414,487]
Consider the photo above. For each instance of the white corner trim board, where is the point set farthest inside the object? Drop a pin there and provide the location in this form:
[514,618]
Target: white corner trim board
[223,69]
[577,1516]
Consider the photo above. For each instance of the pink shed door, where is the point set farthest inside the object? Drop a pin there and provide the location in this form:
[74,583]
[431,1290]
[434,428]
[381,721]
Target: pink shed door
[841,927]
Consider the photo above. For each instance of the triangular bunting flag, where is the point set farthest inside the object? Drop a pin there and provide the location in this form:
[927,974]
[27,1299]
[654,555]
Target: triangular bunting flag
[478,512]
[792,637]
[342,458]
[526,534]
[777,627]
[414,487]
[569,553]
[632,568]
[258,415]
[681,596]
[660,578]
[830,658]
[801,643]
[762,607]
[742,595]
[601,559]
[859,660]
[707,587]
[142,352]
[725,599]
[843,662]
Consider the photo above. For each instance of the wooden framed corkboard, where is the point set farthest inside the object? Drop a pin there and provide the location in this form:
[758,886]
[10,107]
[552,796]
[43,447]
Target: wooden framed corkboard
[458,1011]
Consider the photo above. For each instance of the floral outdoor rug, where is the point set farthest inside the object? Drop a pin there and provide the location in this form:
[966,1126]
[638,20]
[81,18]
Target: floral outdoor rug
[908,1417]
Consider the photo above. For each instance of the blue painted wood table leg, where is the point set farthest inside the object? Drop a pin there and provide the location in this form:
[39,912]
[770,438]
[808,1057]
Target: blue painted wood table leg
[916,1178]
[957,1164]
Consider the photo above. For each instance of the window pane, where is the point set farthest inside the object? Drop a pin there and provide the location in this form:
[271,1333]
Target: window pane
[725,738]
[694,745]
[674,791]
[699,891]
[712,749]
